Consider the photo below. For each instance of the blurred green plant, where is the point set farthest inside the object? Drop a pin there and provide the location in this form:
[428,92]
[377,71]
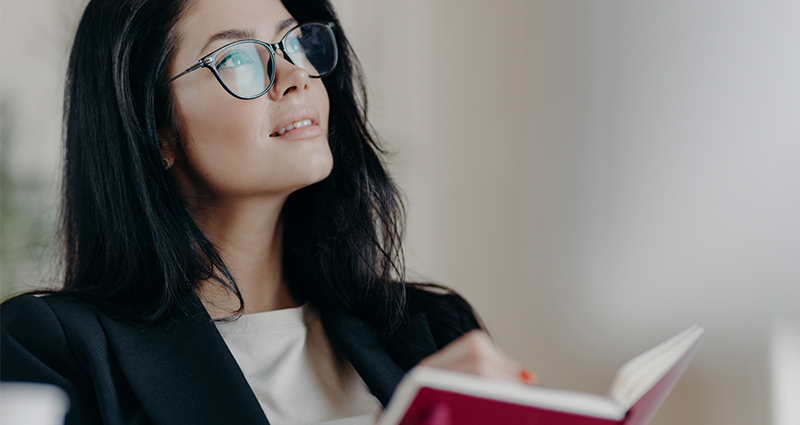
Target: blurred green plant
[28,214]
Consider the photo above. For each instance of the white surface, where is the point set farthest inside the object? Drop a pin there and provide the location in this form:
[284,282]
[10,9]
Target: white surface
[32,404]
[785,372]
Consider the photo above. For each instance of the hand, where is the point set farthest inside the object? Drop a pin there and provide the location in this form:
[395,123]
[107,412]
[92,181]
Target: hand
[476,354]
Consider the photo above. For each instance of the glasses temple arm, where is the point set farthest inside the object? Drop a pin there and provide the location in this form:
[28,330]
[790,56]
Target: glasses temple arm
[200,63]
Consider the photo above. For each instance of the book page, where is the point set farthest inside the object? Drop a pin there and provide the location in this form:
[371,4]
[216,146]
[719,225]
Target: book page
[642,372]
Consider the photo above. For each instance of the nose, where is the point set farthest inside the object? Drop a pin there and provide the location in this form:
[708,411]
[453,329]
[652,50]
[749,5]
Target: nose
[288,78]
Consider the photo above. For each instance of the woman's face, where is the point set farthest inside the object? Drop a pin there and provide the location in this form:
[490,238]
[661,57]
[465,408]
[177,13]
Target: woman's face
[230,147]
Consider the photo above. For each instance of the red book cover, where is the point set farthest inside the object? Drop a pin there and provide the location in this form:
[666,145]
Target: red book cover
[429,396]
[437,407]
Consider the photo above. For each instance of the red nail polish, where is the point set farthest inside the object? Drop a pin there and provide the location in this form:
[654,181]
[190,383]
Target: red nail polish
[527,376]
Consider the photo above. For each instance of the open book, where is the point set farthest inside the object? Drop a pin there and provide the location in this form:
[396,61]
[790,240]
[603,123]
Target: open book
[429,396]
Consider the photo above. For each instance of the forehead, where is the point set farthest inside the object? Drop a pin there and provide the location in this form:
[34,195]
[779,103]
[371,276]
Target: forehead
[206,18]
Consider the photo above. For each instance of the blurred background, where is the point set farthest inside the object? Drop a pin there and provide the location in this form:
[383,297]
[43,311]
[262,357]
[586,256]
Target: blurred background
[593,175]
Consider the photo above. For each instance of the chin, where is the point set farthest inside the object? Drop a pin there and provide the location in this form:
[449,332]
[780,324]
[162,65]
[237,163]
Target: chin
[317,172]
[322,164]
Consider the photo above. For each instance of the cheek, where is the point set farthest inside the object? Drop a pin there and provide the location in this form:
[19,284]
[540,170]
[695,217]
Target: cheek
[218,125]
[325,157]
[323,100]
[221,138]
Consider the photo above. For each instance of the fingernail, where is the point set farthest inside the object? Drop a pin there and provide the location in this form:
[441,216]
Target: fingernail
[527,376]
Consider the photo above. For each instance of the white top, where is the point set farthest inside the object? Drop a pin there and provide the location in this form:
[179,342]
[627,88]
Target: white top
[294,372]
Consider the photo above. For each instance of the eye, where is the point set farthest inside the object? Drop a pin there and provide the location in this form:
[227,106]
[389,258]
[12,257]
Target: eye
[293,44]
[233,58]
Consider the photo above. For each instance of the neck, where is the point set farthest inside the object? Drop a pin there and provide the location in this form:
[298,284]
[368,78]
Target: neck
[248,236]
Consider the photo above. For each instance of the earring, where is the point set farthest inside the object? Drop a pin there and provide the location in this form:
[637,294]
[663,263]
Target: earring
[166,163]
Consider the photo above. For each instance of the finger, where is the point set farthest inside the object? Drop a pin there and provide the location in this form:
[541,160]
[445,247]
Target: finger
[476,353]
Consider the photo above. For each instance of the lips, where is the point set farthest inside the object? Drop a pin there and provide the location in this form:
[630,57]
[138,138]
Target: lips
[295,119]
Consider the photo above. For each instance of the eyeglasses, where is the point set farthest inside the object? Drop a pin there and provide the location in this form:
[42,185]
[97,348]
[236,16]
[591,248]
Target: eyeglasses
[246,68]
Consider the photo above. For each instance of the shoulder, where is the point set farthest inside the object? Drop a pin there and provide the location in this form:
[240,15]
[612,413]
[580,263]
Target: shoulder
[53,313]
[44,332]
[55,339]
[436,316]
[447,314]
[29,317]
[443,307]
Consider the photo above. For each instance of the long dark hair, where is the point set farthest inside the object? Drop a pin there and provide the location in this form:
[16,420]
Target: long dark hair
[131,245]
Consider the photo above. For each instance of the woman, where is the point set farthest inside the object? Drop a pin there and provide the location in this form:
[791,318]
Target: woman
[232,240]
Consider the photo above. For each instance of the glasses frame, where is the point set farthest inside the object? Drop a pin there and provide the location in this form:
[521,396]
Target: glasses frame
[208,60]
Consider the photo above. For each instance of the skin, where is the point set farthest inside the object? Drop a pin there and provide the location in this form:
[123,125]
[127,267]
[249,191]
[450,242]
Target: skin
[235,175]
[475,353]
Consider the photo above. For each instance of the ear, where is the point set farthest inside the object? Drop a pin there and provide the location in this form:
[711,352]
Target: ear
[168,148]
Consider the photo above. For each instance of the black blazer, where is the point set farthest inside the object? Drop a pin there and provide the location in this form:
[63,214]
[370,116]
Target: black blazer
[118,373]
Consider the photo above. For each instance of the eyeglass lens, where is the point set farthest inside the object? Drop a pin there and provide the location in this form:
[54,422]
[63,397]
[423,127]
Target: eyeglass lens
[247,68]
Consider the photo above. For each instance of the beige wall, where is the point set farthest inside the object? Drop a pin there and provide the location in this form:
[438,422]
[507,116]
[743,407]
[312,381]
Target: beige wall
[597,175]
[34,37]
[594,175]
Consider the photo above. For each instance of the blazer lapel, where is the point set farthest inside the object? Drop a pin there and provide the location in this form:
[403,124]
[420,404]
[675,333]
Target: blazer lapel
[359,341]
[183,372]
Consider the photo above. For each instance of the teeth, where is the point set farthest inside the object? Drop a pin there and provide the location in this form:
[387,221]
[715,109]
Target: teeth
[292,126]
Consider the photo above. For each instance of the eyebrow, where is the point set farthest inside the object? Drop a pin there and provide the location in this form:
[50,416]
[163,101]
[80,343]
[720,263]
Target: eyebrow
[285,24]
[245,33]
